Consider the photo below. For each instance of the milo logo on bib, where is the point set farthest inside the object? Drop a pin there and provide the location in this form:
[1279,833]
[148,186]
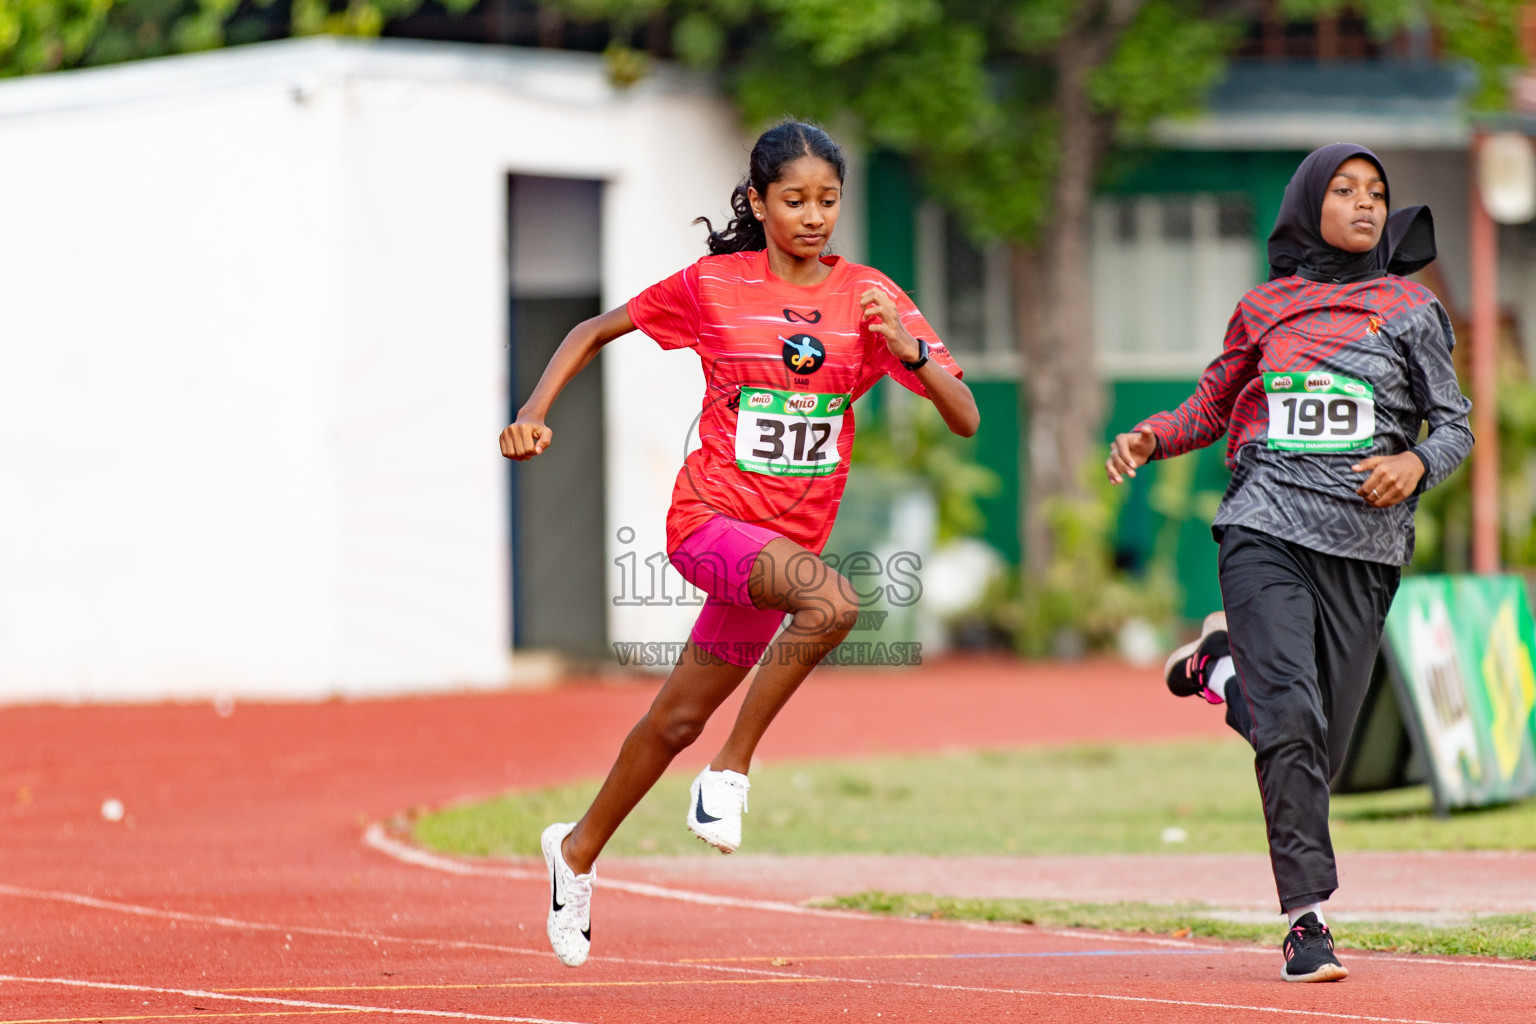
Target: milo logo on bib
[1332,414]
[789,433]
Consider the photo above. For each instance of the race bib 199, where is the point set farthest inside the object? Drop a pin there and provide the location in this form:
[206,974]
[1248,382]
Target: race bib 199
[1319,412]
[789,433]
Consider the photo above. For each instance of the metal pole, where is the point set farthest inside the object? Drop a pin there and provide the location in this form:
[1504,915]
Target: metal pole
[1484,365]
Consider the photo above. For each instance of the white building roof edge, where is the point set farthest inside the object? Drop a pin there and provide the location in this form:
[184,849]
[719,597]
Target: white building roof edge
[1311,129]
[305,64]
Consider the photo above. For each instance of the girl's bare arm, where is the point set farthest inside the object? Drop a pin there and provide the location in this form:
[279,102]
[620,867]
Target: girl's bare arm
[530,435]
[952,397]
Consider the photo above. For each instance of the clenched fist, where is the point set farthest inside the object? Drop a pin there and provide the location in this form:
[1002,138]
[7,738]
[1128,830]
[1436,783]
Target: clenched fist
[525,439]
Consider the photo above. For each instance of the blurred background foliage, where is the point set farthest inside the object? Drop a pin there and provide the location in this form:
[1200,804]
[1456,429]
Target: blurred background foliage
[973,92]
[51,35]
[912,439]
[1007,107]
[1444,519]
[1085,601]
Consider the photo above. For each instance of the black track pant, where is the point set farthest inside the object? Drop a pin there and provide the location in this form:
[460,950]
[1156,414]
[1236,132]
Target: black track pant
[1304,629]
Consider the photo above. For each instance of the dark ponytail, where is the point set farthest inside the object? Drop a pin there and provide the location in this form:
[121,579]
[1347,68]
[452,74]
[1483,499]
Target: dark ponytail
[776,148]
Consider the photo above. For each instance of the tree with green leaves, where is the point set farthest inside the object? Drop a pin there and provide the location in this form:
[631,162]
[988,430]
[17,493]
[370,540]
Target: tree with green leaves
[1008,107]
[49,35]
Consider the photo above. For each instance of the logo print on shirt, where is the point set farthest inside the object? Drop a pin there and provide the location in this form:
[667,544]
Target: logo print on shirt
[793,317]
[803,353]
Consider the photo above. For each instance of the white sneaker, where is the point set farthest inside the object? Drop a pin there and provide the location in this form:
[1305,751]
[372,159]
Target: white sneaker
[716,802]
[570,900]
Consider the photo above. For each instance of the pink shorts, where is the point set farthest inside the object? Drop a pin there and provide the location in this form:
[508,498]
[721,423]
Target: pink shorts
[717,558]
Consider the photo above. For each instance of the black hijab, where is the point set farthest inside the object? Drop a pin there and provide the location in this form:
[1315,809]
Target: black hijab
[1296,244]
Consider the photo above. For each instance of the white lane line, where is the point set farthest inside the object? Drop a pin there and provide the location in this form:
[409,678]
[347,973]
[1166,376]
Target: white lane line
[441,943]
[460,1015]
[1414,958]
[376,838]
[139,910]
[307,1004]
[428,860]
[243,1014]
[1153,1000]
[237,924]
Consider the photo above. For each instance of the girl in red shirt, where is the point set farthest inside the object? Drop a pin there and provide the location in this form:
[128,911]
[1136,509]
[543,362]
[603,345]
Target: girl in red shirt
[788,337]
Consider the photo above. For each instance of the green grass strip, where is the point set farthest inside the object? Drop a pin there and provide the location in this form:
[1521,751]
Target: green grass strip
[1510,937]
[1122,798]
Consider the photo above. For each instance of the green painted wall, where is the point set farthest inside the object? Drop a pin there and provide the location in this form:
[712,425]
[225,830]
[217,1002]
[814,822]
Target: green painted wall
[997,448]
[1169,505]
[1167,510]
[1261,175]
[892,195]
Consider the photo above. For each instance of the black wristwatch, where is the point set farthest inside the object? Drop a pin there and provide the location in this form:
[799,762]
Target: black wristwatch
[922,356]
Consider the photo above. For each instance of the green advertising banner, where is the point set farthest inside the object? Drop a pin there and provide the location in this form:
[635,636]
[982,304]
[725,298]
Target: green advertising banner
[1460,650]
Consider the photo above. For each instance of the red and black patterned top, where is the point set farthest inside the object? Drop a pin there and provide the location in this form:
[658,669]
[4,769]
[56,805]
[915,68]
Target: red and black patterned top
[1312,378]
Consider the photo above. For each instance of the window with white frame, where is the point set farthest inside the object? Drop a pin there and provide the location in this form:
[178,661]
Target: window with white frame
[966,293]
[1167,272]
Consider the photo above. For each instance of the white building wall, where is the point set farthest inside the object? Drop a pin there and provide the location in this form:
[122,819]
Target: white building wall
[421,380]
[167,516]
[254,358]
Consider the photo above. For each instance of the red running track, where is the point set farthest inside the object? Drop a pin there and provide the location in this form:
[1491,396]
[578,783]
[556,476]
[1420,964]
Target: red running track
[238,885]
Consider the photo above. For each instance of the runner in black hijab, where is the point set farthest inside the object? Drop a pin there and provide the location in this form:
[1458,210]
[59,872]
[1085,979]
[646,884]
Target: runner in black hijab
[1327,373]
[1296,245]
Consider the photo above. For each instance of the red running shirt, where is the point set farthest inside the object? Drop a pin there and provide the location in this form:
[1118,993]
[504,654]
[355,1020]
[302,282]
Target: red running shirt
[794,358]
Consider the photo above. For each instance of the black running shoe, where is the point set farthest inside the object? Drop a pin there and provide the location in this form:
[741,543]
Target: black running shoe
[1189,667]
[1309,952]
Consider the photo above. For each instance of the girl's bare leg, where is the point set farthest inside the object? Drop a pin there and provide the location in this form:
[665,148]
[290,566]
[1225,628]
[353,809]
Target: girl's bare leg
[825,607]
[690,695]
